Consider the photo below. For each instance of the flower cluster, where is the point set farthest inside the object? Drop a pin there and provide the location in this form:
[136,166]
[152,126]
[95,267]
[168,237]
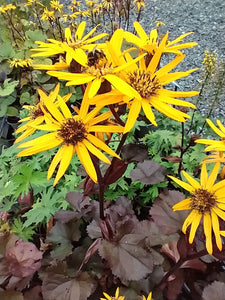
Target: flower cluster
[6,7]
[109,78]
[21,63]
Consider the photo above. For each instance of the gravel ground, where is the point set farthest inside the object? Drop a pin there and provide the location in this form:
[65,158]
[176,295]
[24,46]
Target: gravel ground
[206,18]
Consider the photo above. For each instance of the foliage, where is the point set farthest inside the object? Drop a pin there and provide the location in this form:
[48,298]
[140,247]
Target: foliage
[79,238]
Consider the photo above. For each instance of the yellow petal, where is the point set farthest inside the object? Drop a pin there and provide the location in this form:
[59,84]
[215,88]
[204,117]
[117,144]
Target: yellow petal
[167,68]
[203,176]
[184,204]
[148,111]
[133,114]
[140,31]
[64,108]
[86,161]
[216,230]
[213,175]
[96,152]
[167,78]
[68,151]
[207,225]
[189,220]
[98,143]
[191,180]
[108,128]
[80,31]
[215,129]
[184,185]
[122,86]
[96,83]
[54,162]
[27,133]
[194,226]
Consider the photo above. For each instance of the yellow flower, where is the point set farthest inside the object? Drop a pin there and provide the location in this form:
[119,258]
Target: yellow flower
[74,133]
[209,62]
[214,145]
[74,47]
[102,66]
[107,4]
[140,4]
[21,63]
[36,115]
[149,296]
[206,201]
[116,297]
[31,2]
[151,43]
[159,23]
[56,5]
[4,8]
[148,82]
[47,15]
[91,3]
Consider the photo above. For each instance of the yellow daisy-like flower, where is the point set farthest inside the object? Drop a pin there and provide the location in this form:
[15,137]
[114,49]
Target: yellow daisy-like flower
[31,2]
[149,296]
[47,15]
[159,23]
[74,133]
[116,297]
[214,145]
[107,4]
[36,115]
[6,7]
[139,4]
[74,47]
[91,3]
[206,202]
[21,63]
[102,66]
[151,43]
[148,82]
[56,5]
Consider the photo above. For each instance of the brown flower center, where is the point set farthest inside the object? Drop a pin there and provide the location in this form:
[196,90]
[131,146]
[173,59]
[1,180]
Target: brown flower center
[203,201]
[36,112]
[72,131]
[98,64]
[141,81]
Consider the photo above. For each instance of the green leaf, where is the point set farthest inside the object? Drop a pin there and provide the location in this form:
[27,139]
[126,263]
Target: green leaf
[28,176]
[24,233]
[7,51]
[25,98]
[8,87]
[36,35]
[44,208]
[12,111]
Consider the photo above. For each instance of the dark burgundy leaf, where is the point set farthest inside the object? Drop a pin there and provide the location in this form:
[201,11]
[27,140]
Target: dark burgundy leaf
[23,259]
[115,171]
[62,235]
[163,215]
[91,251]
[128,258]
[27,200]
[134,152]
[148,172]
[216,291]
[174,159]
[175,285]
[77,200]
[61,287]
